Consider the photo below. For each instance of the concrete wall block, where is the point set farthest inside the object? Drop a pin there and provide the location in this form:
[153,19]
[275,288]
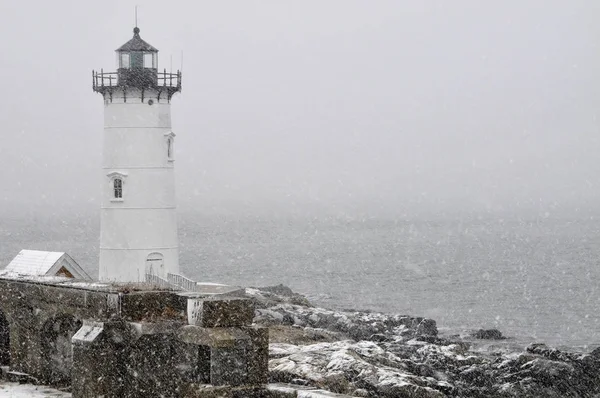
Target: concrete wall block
[258,356]
[51,300]
[100,367]
[25,347]
[195,365]
[90,368]
[151,306]
[220,312]
[56,336]
[251,392]
[207,391]
[212,337]
[229,365]
[281,391]
[156,367]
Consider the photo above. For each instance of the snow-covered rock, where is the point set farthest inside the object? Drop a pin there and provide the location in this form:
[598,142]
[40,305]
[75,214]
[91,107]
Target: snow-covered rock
[368,354]
[346,366]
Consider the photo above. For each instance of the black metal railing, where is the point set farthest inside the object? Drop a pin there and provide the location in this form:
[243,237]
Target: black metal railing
[104,79]
[169,79]
[103,82]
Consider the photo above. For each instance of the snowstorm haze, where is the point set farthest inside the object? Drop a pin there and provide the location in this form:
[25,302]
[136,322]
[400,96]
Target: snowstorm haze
[344,108]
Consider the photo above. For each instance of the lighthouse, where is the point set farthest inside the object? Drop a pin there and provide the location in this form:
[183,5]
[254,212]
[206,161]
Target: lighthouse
[138,223]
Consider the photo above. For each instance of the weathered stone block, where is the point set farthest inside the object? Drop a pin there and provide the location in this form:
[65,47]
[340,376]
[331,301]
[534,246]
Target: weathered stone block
[212,337]
[151,306]
[281,391]
[229,365]
[220,312]
[258,356]
[96,364]
[250,392]
[89,367]
[238,356]
[207,391]
[201,372]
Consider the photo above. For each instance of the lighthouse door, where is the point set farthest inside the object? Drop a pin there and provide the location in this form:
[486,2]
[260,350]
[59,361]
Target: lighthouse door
[155,264]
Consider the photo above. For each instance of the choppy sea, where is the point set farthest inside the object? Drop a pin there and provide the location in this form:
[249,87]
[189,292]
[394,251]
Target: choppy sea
[534,279]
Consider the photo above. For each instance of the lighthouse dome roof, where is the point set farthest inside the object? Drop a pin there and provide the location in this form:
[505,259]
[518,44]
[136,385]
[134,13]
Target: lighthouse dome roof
[136,43]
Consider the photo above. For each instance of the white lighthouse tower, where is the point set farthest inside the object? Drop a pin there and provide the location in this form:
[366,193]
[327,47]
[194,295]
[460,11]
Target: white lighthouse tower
[138,235]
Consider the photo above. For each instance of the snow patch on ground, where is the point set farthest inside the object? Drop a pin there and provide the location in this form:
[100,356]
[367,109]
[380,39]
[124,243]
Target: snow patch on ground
[15,390]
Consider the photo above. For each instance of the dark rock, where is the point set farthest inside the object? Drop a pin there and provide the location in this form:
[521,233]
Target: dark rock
[378,338]
[550,353]
[362,332]
[273,295]
[280,289]
[287,320]
[478,376]
[595,353]
[300,382]
[427,327]
[488,334]
[442,341]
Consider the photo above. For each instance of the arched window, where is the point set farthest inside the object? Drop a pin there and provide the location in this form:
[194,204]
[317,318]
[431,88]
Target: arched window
[115,187]
[170,148]
[118,188]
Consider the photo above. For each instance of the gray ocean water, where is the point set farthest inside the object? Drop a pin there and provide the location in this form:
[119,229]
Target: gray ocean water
[534,279]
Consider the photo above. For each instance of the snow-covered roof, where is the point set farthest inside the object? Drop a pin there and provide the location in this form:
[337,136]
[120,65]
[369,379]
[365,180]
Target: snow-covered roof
[43,263]
[34,262]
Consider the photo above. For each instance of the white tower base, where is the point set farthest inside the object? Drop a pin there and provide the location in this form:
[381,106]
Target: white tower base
[138,219]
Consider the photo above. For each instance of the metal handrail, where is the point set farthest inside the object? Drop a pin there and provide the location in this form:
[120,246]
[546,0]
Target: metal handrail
[182,282]
[158,281]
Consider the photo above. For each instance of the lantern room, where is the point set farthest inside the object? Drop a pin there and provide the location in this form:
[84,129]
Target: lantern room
[137,72]
[137,62]
[136,53]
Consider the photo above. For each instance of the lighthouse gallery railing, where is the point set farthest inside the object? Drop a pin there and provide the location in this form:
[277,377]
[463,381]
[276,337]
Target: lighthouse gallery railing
[108,82]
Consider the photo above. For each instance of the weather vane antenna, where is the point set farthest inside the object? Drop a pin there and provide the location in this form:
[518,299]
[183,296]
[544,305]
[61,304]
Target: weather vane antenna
[136,15]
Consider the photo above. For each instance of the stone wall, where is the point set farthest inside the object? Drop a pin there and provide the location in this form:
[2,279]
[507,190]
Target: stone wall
[117,342]
[4,341]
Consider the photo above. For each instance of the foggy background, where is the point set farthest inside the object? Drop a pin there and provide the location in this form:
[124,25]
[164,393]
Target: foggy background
[339,107]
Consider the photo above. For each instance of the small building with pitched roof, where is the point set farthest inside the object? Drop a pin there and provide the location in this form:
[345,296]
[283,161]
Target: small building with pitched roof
[43,263]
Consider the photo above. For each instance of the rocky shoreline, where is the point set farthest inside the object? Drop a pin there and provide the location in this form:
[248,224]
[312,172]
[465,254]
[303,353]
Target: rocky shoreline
[369,354]
[317,353]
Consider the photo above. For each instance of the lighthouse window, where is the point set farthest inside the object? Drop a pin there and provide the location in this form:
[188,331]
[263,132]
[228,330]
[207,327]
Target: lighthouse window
[118,188]
[137,59]
[148,60]
[170,148]
[125,60]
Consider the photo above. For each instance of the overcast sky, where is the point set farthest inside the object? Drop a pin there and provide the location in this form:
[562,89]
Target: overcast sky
[332,106]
